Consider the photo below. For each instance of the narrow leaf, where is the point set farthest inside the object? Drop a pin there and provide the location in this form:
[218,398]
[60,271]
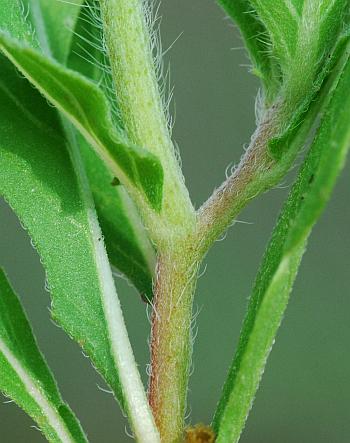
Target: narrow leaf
[41,186]
[25,376]
[81,101]
[281,19]
[313,99]
[257,41]
[128,246]
[275,279]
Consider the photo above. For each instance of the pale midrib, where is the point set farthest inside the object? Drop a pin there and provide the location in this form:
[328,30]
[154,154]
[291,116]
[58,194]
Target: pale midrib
[122,354]
[137,404]
[53,418]
[138,228]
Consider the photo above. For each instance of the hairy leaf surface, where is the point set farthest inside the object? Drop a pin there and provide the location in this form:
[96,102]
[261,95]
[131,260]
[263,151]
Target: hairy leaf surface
[313,100]
[275,279]
[25,376]
[280,18]
[257,41]
[40,185]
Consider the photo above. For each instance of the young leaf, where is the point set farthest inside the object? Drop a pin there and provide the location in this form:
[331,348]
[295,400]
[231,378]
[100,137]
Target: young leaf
[87,54]
[80,100]
[313,99]
[281,19]
[319,26]
[257,41]
[275,279]
[25,376]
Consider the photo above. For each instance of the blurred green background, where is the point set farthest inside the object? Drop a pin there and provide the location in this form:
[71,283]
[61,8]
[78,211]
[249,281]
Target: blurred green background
[305,393]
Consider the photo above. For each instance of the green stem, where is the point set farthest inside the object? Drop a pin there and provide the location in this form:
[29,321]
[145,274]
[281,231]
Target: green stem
[129,44]
[128,40]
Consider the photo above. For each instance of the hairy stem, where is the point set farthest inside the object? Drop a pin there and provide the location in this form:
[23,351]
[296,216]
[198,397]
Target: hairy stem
[257,172]
[171,345]
[251,177]
[129,43]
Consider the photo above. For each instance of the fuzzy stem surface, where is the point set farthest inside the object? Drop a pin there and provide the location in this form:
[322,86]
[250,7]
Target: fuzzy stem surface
[171,345]
[128,37]
[129,41]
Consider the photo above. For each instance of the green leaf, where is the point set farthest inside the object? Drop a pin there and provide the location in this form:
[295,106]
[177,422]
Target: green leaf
[313,100]
[319,26]
[301,27]
[38,181]
[41,187]
[12,20]
[87,54]
[25,376]
[128,246]
[281,19]
[257,41]
[80,100]
[275,279]
[278,34]
[59,18]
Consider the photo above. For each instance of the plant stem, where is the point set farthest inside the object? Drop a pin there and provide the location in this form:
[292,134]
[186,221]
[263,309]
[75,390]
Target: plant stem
[129,43]
[171,345]
[250,178]
[257,172]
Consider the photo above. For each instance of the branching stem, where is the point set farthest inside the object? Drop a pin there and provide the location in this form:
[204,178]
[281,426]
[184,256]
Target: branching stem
[254,174]
[129,44]
[128,40]
[181,235]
